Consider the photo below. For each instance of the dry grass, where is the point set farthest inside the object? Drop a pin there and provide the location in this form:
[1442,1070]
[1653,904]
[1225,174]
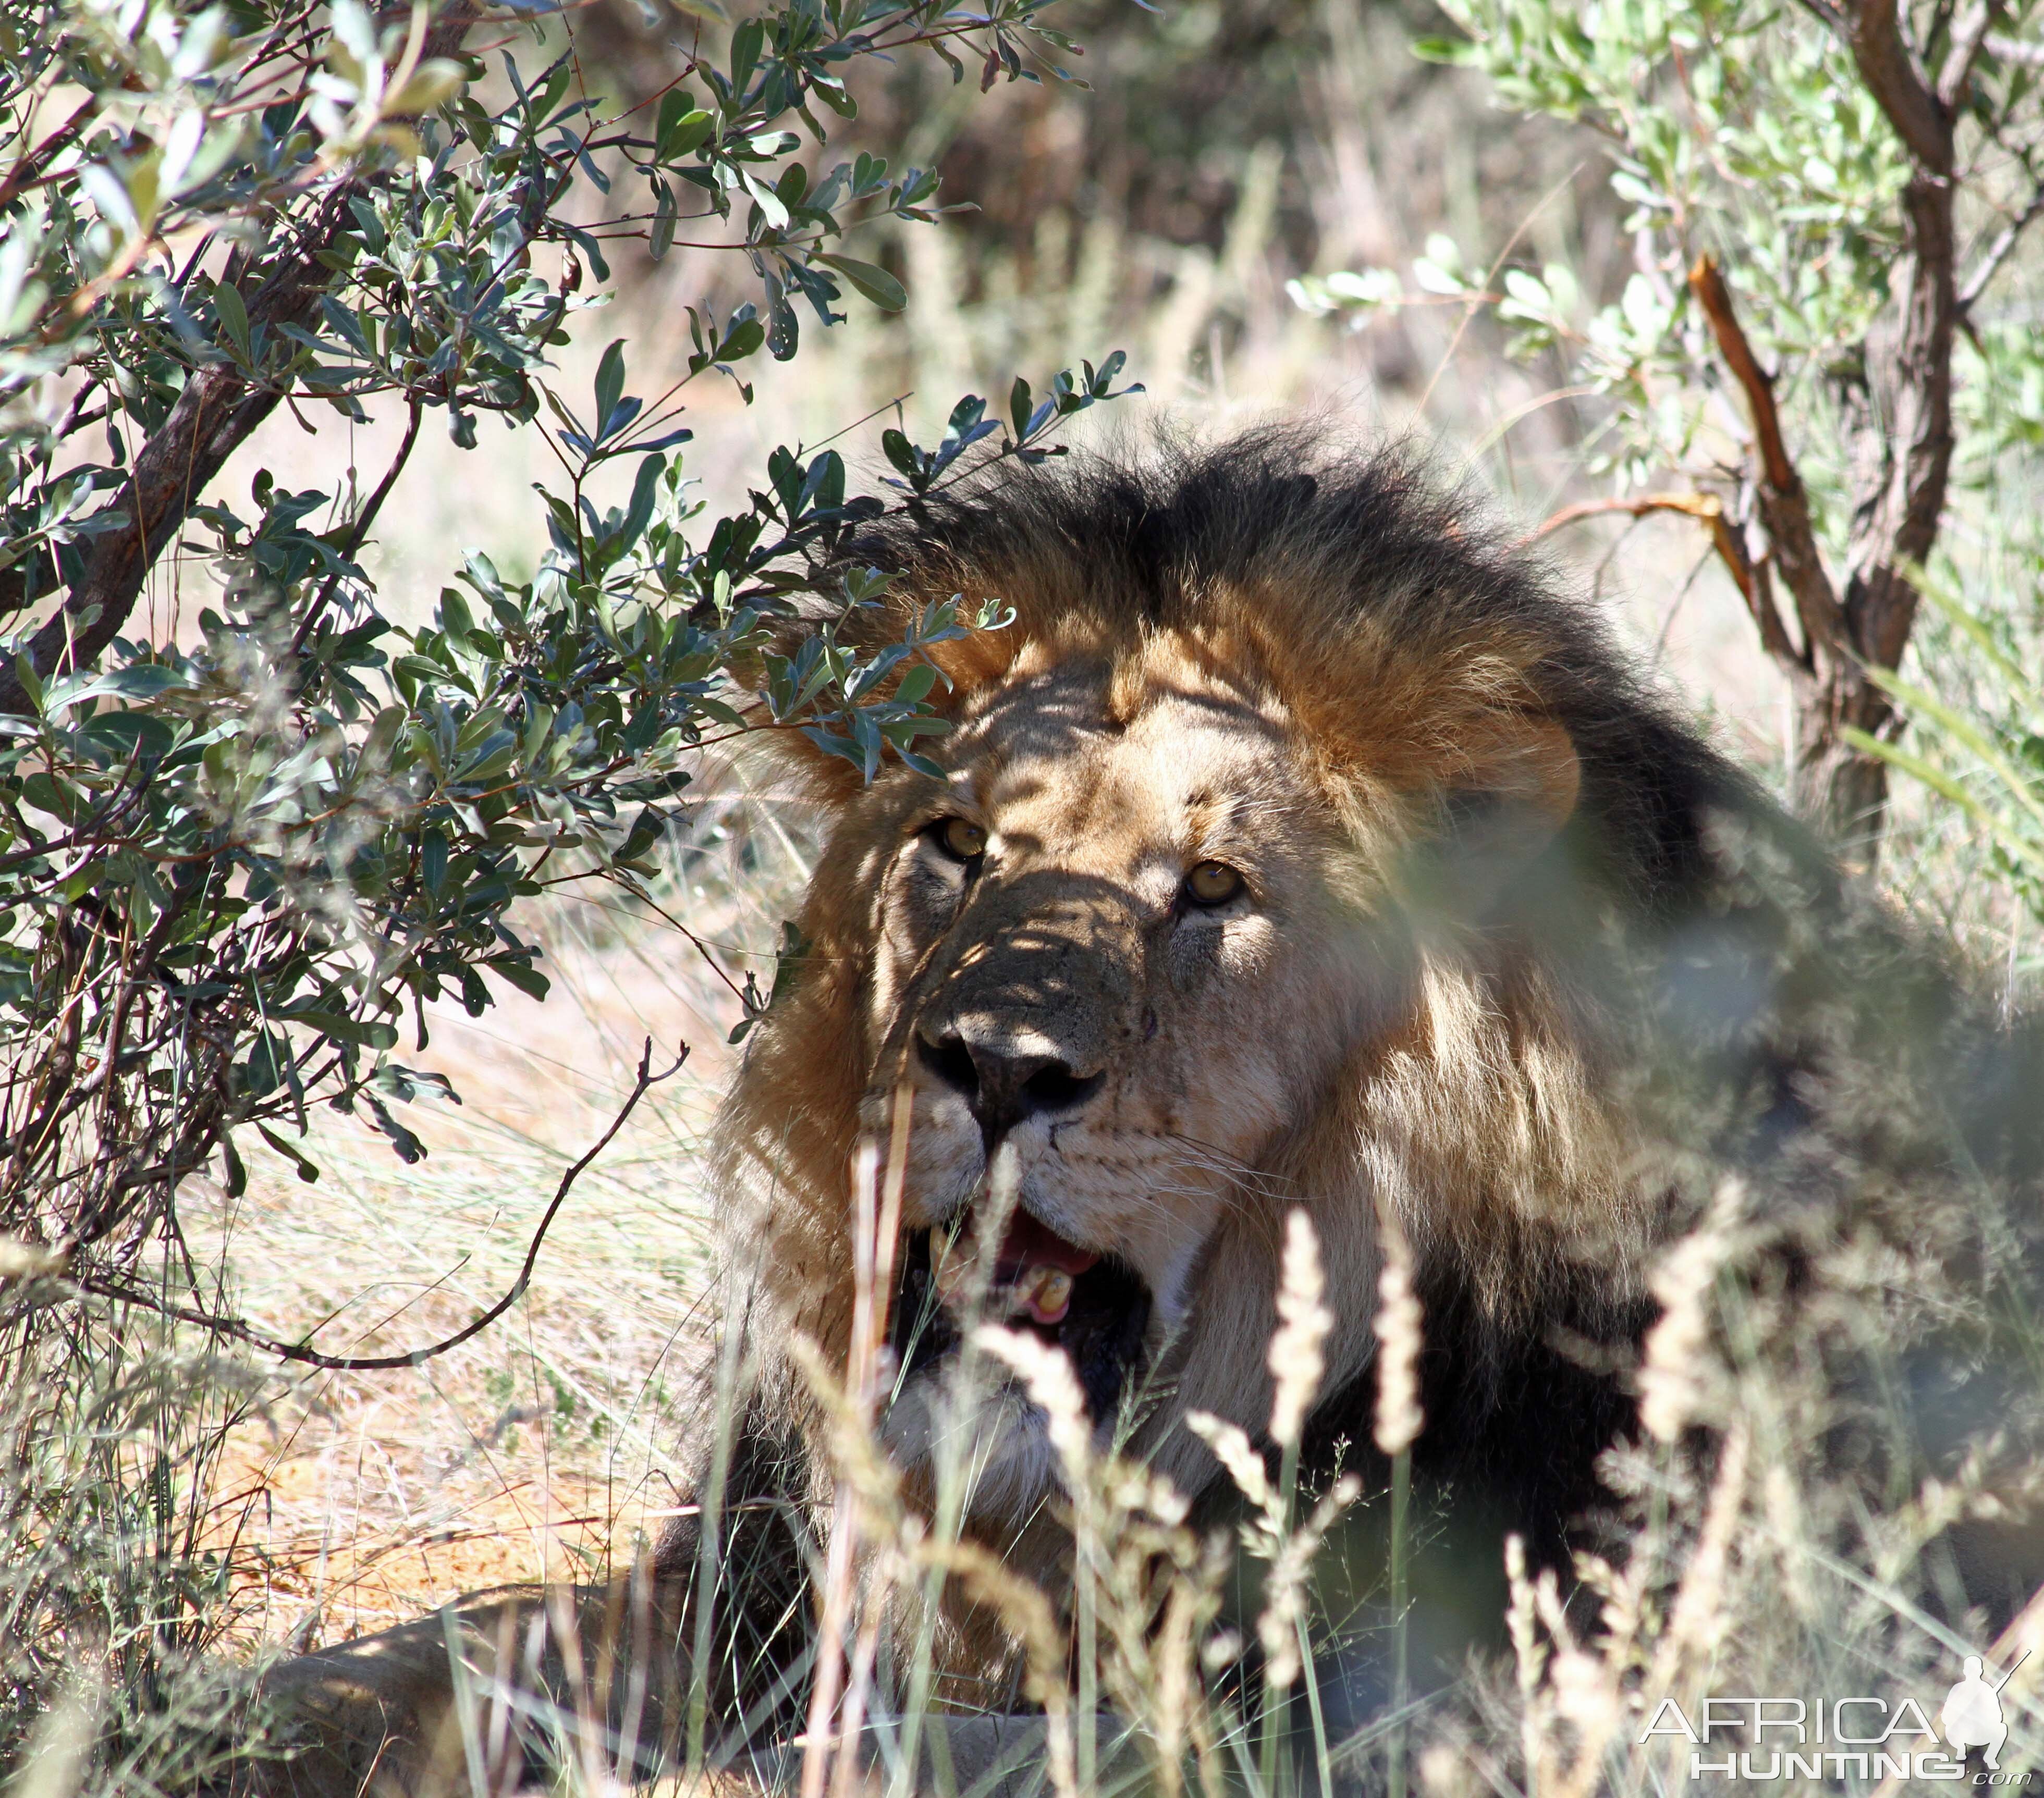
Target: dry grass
[546,1447]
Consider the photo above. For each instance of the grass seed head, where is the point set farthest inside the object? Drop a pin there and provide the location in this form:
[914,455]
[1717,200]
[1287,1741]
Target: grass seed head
[1397,1329]
[1297,1359]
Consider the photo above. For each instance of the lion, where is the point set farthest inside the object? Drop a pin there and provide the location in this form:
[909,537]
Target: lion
[1295,842]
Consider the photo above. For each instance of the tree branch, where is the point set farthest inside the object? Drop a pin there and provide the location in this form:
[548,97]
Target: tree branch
[1784,506]
[1997,251]
[1754,585]
[1894,524]
[218,411]
[29,165]
[237,1331]
[358,531]
[1873,33]
[2013,50]
[1969,37]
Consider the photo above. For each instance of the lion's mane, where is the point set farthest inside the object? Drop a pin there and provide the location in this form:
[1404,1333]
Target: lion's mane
[1398,630]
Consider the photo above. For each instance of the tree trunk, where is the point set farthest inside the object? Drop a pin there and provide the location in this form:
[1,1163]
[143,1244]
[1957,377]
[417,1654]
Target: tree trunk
[1843,791]
[1899,453]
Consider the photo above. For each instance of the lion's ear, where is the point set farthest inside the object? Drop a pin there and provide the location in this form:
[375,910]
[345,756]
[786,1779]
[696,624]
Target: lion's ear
[1512,796]
[1530,765]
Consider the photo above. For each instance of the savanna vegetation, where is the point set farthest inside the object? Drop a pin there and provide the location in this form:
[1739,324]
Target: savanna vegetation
[413,424]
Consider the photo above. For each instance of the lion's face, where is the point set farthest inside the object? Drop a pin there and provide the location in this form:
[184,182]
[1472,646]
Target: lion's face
[1228,896]
[1125,941]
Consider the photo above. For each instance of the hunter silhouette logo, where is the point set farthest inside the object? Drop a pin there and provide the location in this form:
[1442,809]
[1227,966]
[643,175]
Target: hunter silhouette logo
[1972,1714]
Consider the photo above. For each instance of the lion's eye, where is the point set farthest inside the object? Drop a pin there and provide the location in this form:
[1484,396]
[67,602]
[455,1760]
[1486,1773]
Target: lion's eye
[960,838]
[1212,883]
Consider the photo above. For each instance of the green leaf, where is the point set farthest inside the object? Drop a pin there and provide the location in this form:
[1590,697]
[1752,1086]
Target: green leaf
[743,338]
[784,330]
[306,1171]
[681,127]
[645,832]
[140,683]
[342,1029]
[746,44]
[871,280]
[527,979]
[456,620]
[610,384]
[660,238]
[644,493]
[899,450]
[432,83]
[233,317]
[410,1150]
[264,1069]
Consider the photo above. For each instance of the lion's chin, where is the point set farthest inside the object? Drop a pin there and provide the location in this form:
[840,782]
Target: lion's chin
[1001,1445]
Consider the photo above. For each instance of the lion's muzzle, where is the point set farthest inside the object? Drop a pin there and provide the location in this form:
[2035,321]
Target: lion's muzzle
[1025,1017]
[1098,1318]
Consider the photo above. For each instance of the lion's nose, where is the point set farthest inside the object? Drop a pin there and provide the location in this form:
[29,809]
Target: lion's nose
[1003,1081]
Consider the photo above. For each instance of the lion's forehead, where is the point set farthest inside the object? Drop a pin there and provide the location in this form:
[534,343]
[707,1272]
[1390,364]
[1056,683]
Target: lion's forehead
[1179,763]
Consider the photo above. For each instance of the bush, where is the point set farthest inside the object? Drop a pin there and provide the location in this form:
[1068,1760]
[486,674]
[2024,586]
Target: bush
[237,862]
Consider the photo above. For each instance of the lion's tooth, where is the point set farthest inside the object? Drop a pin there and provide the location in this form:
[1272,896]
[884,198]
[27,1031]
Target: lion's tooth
[1049,1293]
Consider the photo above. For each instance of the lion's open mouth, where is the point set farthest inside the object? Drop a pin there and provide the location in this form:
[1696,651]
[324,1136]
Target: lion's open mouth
[1092,1306]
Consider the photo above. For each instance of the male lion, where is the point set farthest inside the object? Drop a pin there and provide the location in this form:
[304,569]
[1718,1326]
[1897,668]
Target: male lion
[1294,844]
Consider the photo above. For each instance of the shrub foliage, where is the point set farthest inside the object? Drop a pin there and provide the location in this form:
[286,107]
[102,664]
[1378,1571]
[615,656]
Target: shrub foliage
[237,862]
[239,858]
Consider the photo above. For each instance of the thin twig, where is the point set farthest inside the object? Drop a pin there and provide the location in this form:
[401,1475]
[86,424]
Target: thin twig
[1489,281]
[1785,506]
[1997,251]
[1754,585]
[358,532]
[238,1331]
[28,168]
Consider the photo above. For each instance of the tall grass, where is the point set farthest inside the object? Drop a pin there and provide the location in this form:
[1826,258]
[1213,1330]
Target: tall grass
[158,1536]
